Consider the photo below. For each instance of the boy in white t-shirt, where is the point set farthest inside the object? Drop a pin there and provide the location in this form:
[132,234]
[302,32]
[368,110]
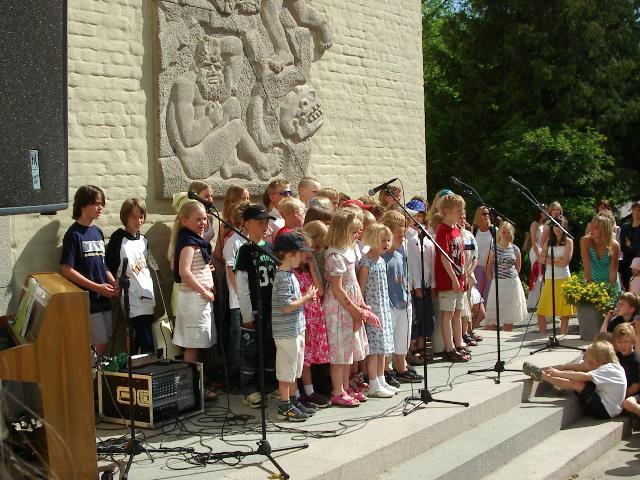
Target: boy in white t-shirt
[231,246]
[599,381]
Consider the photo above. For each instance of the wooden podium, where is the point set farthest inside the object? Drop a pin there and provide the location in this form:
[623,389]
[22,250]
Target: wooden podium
[54,353]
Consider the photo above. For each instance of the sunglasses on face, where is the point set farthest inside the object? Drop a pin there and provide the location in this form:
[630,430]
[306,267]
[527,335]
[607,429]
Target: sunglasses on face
[286,193]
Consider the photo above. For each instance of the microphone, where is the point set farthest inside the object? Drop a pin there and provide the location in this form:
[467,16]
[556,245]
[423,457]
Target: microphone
[456,180]
[208,205]
[379,187]
[513,181]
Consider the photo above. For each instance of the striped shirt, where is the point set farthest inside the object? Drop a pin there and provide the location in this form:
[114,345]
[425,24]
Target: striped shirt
[286,290]
[506,259]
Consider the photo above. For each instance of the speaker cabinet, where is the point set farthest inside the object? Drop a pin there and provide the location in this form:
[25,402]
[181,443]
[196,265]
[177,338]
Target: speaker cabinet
[33,113]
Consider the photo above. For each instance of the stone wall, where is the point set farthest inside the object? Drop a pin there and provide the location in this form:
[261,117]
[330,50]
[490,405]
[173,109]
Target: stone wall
[369,83]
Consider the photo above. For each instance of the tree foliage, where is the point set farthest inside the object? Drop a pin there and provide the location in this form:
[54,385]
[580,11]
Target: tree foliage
[546,91]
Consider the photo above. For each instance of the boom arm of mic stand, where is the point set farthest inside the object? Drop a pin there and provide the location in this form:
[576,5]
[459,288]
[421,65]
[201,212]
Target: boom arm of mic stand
[474,193]
[529,196]
[423,232]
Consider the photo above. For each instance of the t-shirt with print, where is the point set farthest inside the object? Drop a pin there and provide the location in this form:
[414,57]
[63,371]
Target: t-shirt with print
[397,279]
[264,270]
[229,252]
[83,250]
[450,240]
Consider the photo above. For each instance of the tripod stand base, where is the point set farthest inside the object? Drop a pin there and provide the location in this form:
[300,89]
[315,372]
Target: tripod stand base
[555,343]
[498,368]
[426,398]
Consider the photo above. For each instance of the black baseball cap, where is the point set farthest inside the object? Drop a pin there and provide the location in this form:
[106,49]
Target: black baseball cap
[289,242]
[256,212]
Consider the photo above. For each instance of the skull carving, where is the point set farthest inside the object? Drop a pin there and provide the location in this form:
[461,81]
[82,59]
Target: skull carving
[300,114]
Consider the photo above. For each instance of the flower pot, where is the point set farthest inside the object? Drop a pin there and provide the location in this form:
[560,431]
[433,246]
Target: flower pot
[590,321]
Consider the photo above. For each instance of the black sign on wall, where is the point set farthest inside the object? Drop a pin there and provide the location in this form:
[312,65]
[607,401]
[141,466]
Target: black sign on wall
[33,106]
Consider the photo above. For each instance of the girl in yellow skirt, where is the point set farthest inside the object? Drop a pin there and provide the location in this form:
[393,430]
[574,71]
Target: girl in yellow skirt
[562,251]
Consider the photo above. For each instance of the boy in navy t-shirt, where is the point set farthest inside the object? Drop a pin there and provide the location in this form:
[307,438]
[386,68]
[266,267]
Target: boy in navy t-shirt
[82,262]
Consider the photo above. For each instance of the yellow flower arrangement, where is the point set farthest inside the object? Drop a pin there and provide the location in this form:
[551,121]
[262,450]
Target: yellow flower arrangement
[602,295]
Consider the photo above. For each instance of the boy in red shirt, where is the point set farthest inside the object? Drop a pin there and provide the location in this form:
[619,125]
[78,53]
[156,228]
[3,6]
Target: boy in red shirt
[450,283]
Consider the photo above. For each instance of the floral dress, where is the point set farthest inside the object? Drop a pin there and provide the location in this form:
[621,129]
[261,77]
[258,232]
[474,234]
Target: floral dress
[347,339]
[316,345]
[376,295]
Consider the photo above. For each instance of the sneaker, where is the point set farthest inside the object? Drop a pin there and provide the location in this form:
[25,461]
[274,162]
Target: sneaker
[532,371]
[391,380]
[391,388]
[344,400]
[253,400]
[316,399]
[303,407]
[288,411]
[409,377]
[379,392]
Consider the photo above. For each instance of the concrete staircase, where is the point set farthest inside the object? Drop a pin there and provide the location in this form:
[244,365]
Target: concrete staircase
[540,435]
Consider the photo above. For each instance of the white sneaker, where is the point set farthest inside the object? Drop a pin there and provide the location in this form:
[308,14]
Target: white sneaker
[391,388]
[379,392]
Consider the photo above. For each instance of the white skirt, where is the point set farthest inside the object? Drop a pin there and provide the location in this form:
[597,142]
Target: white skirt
[513,304]
[194,326]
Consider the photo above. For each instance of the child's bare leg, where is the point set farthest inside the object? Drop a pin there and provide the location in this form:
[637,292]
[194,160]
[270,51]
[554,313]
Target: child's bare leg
[542,324]
[372,367]
[346,375]
[478,313]
[400,362]
[508,327]
[445,325]
[190,355]
[337,377]
[466,326]
[380,366]
[285,390]
[631,405]
[306,376]
[564,325]
[456,326]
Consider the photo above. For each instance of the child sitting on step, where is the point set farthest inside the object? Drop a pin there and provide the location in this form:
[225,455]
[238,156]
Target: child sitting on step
[599,380]
[624,339]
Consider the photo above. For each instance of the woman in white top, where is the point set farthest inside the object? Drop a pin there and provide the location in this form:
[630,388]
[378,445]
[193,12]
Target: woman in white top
[562,251]
[535,275]
[481,229]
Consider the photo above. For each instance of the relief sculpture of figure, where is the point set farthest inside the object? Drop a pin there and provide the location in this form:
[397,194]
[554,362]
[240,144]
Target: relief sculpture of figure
[206,131]
[300,113]
[246,7]
[305,16]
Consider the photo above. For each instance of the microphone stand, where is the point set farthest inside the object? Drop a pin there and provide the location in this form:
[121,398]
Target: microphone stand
[134,446]
[499,365]
[425,397]
[553,341]
[264,448]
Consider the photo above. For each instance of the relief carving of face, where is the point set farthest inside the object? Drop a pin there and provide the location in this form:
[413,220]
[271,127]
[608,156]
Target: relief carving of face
[209,68]
[300,113]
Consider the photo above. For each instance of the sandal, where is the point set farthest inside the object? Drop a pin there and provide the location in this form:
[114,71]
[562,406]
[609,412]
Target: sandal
[455,356]
[210,395]
[469,340]
[475,336]
[358,396]
[344,400]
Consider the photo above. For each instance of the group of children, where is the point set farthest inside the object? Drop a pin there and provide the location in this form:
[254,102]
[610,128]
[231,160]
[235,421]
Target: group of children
[324,279]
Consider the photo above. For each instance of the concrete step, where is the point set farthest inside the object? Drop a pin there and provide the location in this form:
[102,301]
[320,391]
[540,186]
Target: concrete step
[565,453]
[620,461]
[483,448]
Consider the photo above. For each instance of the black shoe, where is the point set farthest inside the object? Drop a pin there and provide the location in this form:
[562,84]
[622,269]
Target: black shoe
[409,377]
[288,411]
[391,379]
[304,407]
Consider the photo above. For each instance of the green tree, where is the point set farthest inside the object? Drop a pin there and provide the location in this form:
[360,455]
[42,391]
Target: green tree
[546,91]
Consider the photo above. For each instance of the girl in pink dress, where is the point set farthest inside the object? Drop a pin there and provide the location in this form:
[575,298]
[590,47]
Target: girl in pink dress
[316,346]
[344,309]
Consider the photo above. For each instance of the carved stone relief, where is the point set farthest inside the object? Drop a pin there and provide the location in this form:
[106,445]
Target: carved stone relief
[233,95]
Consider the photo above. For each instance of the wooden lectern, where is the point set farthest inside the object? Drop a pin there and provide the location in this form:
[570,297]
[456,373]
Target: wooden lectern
[54,353]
